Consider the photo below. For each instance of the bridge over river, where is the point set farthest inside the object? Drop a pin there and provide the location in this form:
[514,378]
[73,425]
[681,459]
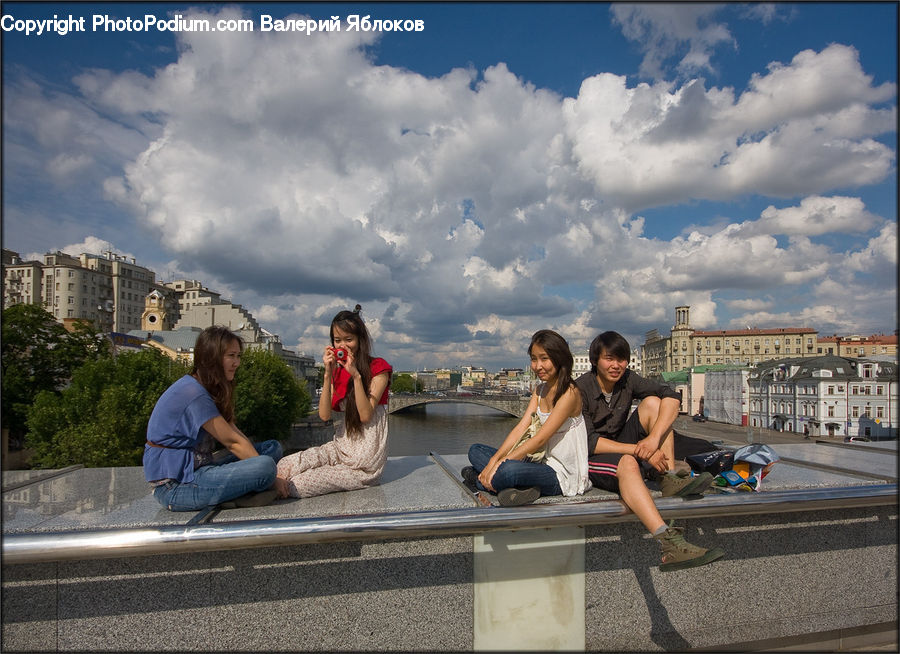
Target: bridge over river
[514,405]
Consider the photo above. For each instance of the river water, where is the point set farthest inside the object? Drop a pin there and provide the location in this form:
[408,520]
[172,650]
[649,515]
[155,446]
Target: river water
[445,429]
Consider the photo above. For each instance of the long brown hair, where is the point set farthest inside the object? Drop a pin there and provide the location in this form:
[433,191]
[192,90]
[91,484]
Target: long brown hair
[209,353]
[351,323]
[558,350]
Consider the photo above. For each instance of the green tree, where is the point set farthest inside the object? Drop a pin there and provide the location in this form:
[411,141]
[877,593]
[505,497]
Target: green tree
[404,383]
[38,355]
[101,418]
[268,398]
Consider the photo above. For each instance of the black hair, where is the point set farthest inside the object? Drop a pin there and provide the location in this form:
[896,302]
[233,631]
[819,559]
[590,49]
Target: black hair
[558,350]
[612,343]
[350,322]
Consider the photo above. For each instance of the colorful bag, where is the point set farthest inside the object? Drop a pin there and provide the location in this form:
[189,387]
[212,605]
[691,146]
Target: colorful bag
[760,459]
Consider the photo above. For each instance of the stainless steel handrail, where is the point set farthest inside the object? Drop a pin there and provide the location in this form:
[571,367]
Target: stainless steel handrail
[173,539]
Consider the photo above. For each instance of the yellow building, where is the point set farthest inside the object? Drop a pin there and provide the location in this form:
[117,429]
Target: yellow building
[688,347]
[859,346]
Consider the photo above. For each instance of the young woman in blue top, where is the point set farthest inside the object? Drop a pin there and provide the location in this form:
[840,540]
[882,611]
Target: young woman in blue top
[190,420]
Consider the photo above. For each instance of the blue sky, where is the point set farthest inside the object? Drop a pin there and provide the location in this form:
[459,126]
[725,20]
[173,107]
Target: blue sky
[514,166]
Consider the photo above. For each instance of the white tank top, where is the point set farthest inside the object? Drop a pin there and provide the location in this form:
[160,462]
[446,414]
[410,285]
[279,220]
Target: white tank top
[567,454]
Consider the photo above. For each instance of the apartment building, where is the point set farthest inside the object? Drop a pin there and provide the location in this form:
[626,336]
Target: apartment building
[107,290]
[859,346]
[130,285]
[750,346]
[21,280]
[687,347]
[191,293]
[828,396]
[72,292]
[581,363]
[656,355]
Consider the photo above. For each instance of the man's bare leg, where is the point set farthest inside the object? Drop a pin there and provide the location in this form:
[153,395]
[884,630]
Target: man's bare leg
[635,494]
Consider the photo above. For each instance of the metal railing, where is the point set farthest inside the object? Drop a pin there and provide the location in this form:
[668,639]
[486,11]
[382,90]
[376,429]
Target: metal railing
[173,539]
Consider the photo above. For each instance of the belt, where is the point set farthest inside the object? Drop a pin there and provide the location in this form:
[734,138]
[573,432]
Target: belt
[166,447]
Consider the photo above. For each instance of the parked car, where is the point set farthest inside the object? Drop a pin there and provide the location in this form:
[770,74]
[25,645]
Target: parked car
[699,418]
[857,439]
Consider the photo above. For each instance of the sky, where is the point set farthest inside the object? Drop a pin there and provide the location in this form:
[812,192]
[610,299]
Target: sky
[508,168]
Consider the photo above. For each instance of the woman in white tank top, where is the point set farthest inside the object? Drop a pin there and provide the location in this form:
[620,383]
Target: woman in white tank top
[557,403]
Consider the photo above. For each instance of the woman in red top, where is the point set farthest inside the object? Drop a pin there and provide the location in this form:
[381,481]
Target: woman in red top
[356,384]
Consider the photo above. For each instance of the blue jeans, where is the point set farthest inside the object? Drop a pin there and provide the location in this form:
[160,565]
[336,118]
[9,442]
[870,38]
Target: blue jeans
[217,483]
[514,474]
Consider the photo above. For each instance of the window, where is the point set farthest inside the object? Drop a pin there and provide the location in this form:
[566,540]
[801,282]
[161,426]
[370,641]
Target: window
[830,412]
[879,412]
[854,411]
[879,390]
[867,411]
[831,390]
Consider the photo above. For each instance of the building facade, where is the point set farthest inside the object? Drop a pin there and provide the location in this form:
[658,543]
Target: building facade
[106,290]
[859,346]
[748,347]
[827,396]
[130,285]
[687,347]
[21,280]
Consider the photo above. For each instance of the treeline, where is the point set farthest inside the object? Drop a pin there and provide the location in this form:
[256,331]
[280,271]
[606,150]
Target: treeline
[69,398]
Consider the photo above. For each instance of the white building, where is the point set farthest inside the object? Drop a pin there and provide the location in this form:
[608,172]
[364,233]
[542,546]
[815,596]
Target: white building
[581,364]
[828,396]
[107,290]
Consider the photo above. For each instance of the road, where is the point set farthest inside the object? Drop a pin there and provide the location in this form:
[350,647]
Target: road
[737,435]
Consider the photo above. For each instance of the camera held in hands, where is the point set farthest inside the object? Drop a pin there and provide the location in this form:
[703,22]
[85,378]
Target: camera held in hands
[340,354]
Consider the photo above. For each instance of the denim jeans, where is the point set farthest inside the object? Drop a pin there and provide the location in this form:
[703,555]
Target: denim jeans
[217,483]
[514,474]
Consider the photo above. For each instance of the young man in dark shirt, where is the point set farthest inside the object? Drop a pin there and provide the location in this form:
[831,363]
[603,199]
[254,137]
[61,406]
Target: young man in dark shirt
[624,450]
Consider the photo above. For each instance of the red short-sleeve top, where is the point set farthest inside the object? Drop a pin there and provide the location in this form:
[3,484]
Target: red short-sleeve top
[341,379]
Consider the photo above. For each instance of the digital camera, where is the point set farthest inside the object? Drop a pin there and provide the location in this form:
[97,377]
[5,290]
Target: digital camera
[340,354]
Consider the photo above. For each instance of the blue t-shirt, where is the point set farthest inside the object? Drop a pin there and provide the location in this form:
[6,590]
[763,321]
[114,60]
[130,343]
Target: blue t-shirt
[177,423]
